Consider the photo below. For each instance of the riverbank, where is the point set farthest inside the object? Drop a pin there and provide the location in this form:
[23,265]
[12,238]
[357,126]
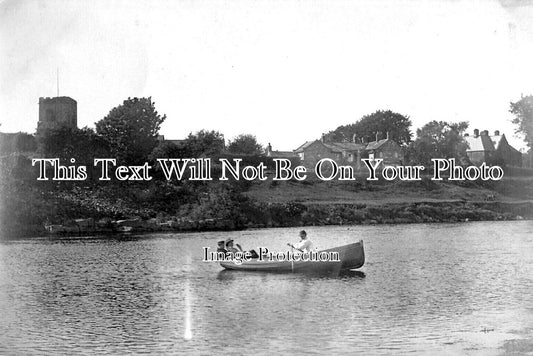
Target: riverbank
[30,210]
[295,215]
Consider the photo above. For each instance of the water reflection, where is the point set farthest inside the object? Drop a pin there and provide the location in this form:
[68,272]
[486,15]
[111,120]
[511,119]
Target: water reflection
[352,274]
[228,275]
[187,334]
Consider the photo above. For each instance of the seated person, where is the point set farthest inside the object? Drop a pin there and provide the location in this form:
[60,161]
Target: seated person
[230,248]
[304,245]
[221,248]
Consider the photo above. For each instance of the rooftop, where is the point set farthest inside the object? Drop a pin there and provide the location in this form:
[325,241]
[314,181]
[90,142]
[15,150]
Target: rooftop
[57,98]
[376,144]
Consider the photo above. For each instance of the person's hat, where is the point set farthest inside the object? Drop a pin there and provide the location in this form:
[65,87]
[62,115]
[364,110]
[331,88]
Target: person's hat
[221,242]
[303,232]
[229,240]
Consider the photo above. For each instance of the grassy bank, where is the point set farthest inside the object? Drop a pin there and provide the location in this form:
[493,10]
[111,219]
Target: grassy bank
[27,205]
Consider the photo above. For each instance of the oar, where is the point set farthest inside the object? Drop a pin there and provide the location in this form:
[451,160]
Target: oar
[295,248]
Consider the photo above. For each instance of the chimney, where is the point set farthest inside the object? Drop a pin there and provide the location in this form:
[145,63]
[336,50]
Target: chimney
[354,138]
[322,138]
[269,149]
[497,133]
[485,133]
[387,135]
[377,135]
[476,132]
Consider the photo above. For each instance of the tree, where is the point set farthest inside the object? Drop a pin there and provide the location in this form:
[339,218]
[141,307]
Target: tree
[81,144]
[245,144]
[169,150]
[205,143]
[523,111]
[381,122]
[131,130]
[439,139]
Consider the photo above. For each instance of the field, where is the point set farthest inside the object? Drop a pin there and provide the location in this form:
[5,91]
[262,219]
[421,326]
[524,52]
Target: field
[510,189]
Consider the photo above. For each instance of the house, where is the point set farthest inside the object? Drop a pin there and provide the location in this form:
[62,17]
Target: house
[386,149]
[341,152]
[491,149]
[279,154]
[162,139]
[19,142]
[351,153]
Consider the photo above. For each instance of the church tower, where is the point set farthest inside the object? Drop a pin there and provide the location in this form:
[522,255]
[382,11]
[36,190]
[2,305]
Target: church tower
[56,113]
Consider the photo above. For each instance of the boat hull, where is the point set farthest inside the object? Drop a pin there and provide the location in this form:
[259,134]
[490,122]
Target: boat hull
[351,256]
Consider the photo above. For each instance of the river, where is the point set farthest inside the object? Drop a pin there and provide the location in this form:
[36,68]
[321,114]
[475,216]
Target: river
[425,289]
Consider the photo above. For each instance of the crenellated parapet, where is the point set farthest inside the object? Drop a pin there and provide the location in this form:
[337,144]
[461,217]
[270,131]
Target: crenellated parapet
[57,112]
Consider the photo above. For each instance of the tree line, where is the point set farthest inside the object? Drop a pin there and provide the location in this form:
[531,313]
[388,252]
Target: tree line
[130,133]
[436,139]
[440,139]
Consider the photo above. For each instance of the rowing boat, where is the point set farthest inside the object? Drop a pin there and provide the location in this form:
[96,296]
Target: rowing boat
[351,256]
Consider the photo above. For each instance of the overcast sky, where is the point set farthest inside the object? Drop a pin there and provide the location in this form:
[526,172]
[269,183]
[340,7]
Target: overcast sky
[285,71]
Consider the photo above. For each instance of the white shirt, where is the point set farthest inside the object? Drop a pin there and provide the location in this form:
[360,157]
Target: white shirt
[304,245]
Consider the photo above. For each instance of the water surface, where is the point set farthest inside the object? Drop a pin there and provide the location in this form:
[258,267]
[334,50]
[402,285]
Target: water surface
[425,289]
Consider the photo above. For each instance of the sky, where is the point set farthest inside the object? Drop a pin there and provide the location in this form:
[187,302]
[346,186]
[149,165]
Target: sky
[284,71]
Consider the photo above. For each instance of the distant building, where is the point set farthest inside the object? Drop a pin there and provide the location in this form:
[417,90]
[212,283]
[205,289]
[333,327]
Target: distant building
[162,139]
[341,152]
[279,154]
[56,113]
[491,149]
[527,159]
[351,153]
[386,149]
[19,142]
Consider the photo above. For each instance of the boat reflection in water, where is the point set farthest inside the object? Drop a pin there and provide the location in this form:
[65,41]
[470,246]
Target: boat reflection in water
[230,275]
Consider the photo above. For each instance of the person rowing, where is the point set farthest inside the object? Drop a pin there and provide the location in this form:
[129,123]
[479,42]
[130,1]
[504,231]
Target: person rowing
[304,245]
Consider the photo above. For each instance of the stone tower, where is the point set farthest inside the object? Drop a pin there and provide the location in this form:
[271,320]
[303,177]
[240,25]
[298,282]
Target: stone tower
[56,113]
